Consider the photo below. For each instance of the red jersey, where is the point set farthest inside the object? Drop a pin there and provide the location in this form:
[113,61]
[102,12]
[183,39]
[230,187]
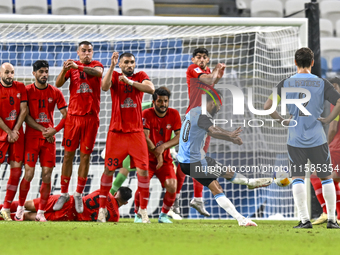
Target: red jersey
[91,208]
[126,115]
[161,129]
[41,104]
[335,144]
[10,99]
[84,91]
[195,94]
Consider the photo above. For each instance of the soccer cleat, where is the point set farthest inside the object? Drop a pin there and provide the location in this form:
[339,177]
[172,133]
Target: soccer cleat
[5,214]
[138,218]
[78,202]
[61,201]
[19,215]
[174,215]
[331,224]
[308,224]
[102,215]
[40,217]
[199,206]
[246,222]
[254,183]
[144,214]
[163,218]
[175,206]
[322,219]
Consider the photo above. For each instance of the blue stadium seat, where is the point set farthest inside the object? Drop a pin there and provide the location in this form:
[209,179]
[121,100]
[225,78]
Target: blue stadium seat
[21,47]
[103,57]
[59,42]
[177,61]
[11,57]
[15,42]
[166,46]
[148,60]
[63,56]
[129,46]
[324,67]
[336,64]
[28,58]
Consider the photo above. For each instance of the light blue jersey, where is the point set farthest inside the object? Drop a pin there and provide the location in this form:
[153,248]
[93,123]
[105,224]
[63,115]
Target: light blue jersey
[192,137]
[309,131]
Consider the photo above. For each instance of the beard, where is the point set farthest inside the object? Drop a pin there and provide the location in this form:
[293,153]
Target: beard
[158,109]
[128,73]
[214,111]
[42,81]
[7,81]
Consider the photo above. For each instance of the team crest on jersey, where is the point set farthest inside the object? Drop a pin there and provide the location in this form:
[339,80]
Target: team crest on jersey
[18,95]
[168,127]
[198,70]
[84,88]
[50,99]
[12,115]
[144,121]
[42,118]
[128,103]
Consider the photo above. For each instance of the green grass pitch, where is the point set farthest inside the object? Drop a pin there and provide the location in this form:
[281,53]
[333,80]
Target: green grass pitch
[208,237]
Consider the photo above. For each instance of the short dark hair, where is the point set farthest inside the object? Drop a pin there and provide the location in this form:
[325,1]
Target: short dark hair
[304,57]
[209,98]
[85,43]
[161,91]
[39,64]
[335,80]
[125,193]
[127,54]
[200,50]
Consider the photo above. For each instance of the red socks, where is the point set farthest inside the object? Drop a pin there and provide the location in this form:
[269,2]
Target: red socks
[12,186]
[45,190]
[198,188]
[105,186]
[168,201]
[337,191]
[137,195]
[23,191]
[64,183]
[143,186]
[318,191]
[81,184]
[180,179]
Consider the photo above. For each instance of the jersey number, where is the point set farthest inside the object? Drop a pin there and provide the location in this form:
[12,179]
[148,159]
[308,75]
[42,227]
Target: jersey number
[1,155]
[161,132]
[95,205]
[113,162]
[82,75]
[11,100]
[128,88]
[28,157]
[301,114]
[186,131]
[42,103]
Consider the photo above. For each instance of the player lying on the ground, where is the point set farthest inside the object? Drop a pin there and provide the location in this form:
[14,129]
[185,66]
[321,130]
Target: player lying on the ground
[204,169]
[69,213]
[307,139]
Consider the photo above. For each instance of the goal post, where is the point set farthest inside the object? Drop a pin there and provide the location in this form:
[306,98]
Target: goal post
[258,52]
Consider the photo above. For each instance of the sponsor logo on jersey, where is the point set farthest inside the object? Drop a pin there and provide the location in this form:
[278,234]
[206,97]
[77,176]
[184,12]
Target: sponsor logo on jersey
[12,115]
[198,70]
[50,99]
[42,118]
[84,88]
[144,121]
[128,103]
[18,95]
[168,127]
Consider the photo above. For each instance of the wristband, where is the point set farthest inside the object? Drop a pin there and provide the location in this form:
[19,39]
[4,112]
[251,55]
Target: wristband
[130,82]
[80,68]
[60,125]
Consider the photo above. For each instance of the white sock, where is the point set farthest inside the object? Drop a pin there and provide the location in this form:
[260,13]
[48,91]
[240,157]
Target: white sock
[228,206]
[239,179]
[5,209]
[40,211]
[20,207]
[178,196]
[64,194]
[199,199]
[77,194]
[300,199]
[328,191]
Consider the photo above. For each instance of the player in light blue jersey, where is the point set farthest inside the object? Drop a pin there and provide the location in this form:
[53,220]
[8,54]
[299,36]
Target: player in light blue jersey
[306,137]
[204,169]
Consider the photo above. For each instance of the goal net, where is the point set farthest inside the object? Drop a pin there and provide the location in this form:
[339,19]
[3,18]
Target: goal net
[258,54]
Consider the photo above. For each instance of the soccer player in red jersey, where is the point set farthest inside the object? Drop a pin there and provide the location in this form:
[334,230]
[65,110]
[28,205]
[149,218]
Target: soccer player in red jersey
[39,138]
[82,120]
[69,213]
[159,122]
[13,110]
[126,136]
[199,77]
[334,149]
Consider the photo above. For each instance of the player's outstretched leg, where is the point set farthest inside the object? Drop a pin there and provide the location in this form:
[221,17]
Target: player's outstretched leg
[252,183]
[198,204]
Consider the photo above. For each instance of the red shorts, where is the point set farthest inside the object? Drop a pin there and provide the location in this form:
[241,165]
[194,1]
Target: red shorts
[38,147]
[80,129]
[335,160]
[15,150]
[119,145]
[67,213]
[167,171]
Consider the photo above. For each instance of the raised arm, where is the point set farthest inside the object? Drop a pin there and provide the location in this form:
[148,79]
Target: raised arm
[215,76]
[220,133]
[146,86]
[106,82]
[94,71]
[61,77]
